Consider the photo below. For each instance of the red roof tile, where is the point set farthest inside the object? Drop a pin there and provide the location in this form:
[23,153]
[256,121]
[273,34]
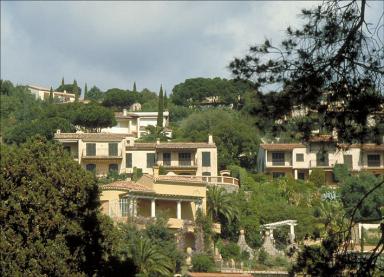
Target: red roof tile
[126,186]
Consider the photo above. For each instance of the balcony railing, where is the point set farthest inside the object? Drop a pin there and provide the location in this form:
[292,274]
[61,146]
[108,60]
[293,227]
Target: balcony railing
[221,180]
[189,163]
[102,155]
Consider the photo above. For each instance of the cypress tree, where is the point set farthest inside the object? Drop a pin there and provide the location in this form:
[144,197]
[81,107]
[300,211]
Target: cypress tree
[134,87]
[85,91]
[62,81]
[75,90]
[50,95]
[160,109]
[165,100]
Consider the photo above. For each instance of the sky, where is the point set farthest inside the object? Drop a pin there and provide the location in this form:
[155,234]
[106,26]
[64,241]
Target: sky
[114,44]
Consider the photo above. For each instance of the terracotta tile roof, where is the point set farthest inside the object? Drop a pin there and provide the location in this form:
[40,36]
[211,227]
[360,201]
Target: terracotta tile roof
[321,138]
[142,145]
[126,186]
[372,147]
[184,145]
[92,136]
[219,274]
[282,146]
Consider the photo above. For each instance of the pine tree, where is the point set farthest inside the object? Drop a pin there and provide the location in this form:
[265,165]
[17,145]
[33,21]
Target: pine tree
[160,109]
[85,91]
[51,96]
[62,81]
[134,87]
[75,90]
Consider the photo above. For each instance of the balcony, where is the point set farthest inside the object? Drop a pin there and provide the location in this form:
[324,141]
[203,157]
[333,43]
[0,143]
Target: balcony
[316,163]
[221,180]
[102,155]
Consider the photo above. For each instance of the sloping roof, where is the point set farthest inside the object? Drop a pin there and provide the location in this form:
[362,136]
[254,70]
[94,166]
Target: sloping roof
[171,145]
[126,186]
[372,147]
[92,136]
[282,146]
[180,179]
[322,138]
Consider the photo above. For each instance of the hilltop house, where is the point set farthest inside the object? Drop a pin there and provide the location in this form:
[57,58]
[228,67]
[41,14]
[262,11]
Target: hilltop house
[135,123]
[43,94]
[298,160]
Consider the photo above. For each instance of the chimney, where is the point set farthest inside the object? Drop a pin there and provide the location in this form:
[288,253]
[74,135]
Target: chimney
[125,112]
[210,139]
[158,141]
[58,131]
[65,91]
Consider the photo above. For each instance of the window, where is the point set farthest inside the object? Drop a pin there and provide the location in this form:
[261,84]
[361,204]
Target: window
[113,167]
[167,159]
[90,167]
[373,160]
[150,160]
[206,173]
[185,159]
[124,206]
[91,149]
[206,159]
[299,157]
[348,161]
[322,159]
[278,158]
[301,175]
[278,174]
[112,149]
[128,160]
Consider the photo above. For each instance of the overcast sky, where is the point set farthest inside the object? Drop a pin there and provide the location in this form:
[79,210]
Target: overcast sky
[113,44]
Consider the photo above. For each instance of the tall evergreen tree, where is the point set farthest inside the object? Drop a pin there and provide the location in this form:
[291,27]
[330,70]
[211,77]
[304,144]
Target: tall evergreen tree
[62,81]
[134,87]
[160,109]
[75,90]
[51,96]
[85,91]
[165,100]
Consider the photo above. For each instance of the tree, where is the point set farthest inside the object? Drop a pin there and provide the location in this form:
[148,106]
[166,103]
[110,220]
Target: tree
[85,90]
[51,96]
[118,98]
[220,204]
[165,100]
[62,81]
[134,87]
[202,263]
[93,117]
[331,65]
[76,91]
[160,110]
[94,94]
[50,213]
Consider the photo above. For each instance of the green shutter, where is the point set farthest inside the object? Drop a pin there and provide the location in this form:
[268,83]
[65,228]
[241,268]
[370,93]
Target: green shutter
[128,160]
[206,158]
[112,149]
[91,149]
[150,160]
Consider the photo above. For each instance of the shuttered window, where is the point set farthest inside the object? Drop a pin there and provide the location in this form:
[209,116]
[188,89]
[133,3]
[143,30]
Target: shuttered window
[112,149]
[90,167]
[373,160]
[91,149]
[113,167]
[150,160]
[128,160]
[206,158]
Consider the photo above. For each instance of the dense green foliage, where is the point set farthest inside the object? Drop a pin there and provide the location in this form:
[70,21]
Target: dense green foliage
[70,88]
[160,110]
[50,221]
[119,98]
[202,263]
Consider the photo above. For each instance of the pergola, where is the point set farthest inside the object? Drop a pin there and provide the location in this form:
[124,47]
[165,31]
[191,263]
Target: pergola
[271,226]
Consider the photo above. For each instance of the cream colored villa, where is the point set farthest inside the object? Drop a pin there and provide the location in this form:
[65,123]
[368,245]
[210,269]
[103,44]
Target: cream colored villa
[43,94]
[298,160]
[176,197]
[135,123]
[105,152]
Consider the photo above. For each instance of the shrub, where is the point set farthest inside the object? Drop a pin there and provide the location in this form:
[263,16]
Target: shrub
[230,251]
[202,263]
[317,177]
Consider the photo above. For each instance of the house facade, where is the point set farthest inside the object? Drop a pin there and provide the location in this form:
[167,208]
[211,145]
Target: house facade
[135,123]
[43,94]
[298,160]
[105,152]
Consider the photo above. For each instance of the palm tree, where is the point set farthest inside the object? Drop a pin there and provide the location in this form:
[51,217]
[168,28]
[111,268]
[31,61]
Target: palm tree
[220,204]
[148,259]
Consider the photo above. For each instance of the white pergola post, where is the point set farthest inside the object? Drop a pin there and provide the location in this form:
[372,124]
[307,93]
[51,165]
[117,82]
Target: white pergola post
[135,207]
[179,209]
[296,174]
[292,231]
[153,208]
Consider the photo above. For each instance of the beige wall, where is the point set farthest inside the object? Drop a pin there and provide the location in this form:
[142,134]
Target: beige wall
[139,160]
[199,157]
